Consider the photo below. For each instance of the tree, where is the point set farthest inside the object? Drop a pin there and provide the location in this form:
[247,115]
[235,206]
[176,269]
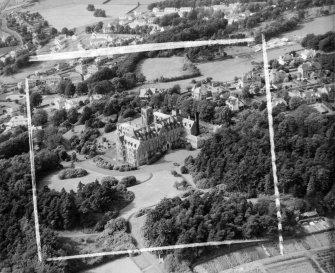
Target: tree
[70,89]
[59,117]
[295,102]
[99,13]
[88,29]
[81,88]
[62,86]
[72,115]
[90,7]
[40,117]
[35,99]
[65,30]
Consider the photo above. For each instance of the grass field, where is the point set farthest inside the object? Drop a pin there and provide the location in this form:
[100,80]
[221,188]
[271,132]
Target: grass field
[154,68]
[72,14]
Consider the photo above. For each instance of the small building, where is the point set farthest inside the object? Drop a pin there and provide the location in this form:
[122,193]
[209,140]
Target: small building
[310,96]
[234,103]
[285,59]
[146,93]
[277,101]
[308,54]
[62,103]
[199,92]
[170,10]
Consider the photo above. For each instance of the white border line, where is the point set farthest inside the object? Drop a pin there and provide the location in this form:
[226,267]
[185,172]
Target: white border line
[133,48]
[149,249]
[272,143]
[33,175]
[142,48]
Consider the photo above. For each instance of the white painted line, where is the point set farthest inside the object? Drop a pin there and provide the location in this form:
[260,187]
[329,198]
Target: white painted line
[272,143]
[133,48]
[149,249]
[33,175]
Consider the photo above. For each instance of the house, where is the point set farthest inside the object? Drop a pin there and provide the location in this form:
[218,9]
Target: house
[199,92]
[17,121]
[135,23]
[277,76]
[304,70]
[95,97]
[52,80]
[310,96]
[146,93]
[277,101]
[138,144]
[183,10]
[170,10]
[156,10]
[234,103]
[308,54]
[62,103]
[285,59]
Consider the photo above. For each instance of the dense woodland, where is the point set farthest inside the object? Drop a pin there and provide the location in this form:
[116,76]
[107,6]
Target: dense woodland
[211,216]
[239,156]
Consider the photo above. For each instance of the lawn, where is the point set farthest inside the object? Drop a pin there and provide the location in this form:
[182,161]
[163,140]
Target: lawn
[154,68]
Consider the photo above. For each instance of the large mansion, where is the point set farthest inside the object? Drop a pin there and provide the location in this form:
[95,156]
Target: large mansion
[156,133]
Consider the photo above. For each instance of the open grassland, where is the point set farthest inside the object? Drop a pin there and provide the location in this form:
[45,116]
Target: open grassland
[154,68]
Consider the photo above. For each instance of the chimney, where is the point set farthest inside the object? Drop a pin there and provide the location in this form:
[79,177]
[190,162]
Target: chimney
[197,126]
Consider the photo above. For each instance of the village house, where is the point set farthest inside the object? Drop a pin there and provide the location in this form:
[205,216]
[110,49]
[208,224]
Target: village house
[285,59]
[184,10]
[199,92]
[308,54]
[62,103]
[170,10]
[234,103]
[277,101]
[146,93]
[310,96]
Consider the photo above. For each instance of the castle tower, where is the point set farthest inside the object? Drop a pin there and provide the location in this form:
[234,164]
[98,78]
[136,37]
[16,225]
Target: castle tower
[147,116]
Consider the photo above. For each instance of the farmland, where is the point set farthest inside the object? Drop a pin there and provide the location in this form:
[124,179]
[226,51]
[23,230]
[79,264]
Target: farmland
[271,250]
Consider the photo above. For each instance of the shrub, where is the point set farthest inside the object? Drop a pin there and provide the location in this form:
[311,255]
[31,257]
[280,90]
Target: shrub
[72,173]
[114,225]
[109,179]
[102,163]
[110,127]
[128,181]
[175,174]
[183,170]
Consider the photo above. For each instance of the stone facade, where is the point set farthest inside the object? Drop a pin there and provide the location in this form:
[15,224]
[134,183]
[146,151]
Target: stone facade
[137,144]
